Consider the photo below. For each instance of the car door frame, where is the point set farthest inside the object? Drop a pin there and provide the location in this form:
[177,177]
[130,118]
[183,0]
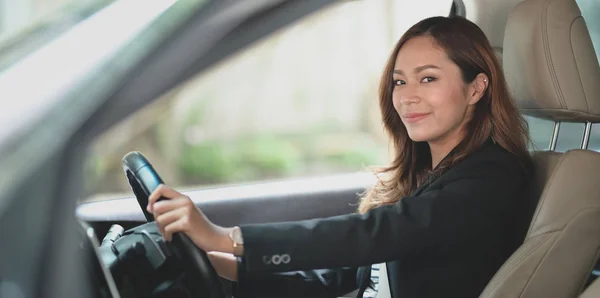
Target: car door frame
[37,213]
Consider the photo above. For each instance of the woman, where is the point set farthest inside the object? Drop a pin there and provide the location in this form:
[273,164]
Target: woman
[443,217]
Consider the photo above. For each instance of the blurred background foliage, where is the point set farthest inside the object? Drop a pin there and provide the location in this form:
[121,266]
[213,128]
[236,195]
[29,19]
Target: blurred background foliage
[301,102]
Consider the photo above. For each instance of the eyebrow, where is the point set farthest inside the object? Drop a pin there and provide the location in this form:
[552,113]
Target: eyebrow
[417,69]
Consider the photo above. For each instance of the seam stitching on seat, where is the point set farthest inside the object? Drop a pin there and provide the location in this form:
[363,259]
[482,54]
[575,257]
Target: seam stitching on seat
[548,56]
[585,98]
[538,241]
[572,113]
[572,218]
[544,195]
[536,268]
[560,233]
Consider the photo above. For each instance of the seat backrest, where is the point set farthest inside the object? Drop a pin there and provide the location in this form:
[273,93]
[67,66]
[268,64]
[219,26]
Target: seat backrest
[553,72]
[545,163]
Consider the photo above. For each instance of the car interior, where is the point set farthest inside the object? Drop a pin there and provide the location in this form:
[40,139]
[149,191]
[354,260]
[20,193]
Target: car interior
[552,69]
[549,51]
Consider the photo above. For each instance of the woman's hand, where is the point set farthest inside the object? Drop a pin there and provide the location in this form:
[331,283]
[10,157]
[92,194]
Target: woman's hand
[179,214]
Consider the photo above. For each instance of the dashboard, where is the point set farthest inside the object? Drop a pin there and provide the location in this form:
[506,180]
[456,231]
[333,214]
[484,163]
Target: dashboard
[101,281]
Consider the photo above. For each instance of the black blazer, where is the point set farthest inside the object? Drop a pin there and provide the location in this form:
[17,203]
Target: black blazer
[447,239]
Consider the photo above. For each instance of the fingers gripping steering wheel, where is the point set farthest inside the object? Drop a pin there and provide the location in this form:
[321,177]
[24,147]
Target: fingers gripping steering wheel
[201,279]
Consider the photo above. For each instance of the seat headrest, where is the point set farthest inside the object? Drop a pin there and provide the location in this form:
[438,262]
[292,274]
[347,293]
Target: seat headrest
[549,61]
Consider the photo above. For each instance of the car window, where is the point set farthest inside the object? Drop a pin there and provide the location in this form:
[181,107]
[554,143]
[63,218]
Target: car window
[570,135]
[540,131]
[590,10]
[301,102]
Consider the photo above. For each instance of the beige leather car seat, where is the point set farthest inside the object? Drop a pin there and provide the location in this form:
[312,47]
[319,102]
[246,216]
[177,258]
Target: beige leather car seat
[593,291]
[553,72]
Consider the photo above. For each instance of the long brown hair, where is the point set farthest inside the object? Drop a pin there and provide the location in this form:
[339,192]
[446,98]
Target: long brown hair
[495,115]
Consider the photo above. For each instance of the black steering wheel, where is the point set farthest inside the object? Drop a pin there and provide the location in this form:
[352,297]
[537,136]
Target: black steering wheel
[201,279]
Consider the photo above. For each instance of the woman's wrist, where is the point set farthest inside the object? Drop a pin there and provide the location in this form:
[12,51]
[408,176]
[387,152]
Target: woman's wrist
[226,265]
[222,242]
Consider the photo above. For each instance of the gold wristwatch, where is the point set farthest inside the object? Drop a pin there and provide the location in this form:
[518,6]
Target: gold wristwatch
[238,241]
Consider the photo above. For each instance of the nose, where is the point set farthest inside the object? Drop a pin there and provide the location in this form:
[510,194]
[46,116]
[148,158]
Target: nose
[406,95]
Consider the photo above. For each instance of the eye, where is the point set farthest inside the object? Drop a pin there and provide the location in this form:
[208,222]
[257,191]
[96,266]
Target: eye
[427,80]
[398,82]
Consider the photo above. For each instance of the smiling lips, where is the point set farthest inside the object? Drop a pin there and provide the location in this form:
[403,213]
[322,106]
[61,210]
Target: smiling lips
[414,117]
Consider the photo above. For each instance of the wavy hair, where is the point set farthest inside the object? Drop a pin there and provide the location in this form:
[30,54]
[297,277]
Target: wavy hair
[495,115]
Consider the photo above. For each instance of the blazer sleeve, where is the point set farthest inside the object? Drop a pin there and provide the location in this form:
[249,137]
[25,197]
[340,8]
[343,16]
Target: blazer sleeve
[478,195]
[325,283]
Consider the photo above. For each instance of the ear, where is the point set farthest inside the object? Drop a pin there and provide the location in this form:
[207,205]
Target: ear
[477,88]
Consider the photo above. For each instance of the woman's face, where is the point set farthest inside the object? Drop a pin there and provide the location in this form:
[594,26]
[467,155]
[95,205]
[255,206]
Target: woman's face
[429,94]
